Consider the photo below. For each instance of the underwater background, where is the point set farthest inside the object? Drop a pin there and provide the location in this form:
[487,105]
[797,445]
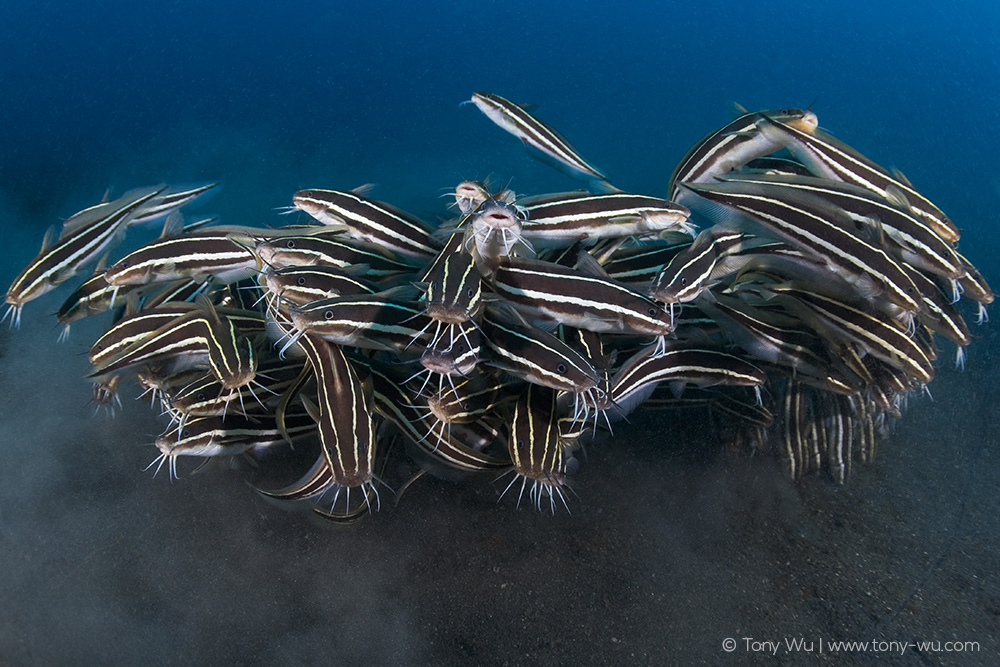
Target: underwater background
[673,544]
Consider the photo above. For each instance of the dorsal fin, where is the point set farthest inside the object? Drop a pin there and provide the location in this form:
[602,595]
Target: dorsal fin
[896,197]
[901,177]
[51,235]
[737,109]
[173,225]
[311,408]
[587,264]
[364,190]
[132,304]
[208,308]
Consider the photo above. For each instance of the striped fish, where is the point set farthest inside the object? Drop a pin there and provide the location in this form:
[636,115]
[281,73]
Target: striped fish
[368,220]
[778,339]
[536,448]
[681,364]
[691,271]
[198,337]
[920,245]
[559,220]
[732,146]
[299,285]
[455,290]
[578,299]
[139,326]
[832,317]
[493,232]
[85,237]
[536,135]
[218,436]
[344,414]
[219,253]
[443,448]
[469,195]
[453,351]
[820,229]
[375,322]
[321,247]
[163,204]
[831,158]
[537,356]
[638,265]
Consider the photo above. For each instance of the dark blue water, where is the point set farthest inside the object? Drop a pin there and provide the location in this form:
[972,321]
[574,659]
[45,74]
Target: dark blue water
[665,554]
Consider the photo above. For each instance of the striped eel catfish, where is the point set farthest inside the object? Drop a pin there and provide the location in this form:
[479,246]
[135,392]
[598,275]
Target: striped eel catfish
[454,298]
[85,237]
[829,157]
[469,400]
[375,321]
[299,285]
[226,436]
[940,314]
[140,325]
[733,146]
[368,220]
[559,220]
[206,397]
[691,271]
[536,448]
[199,336]
[454,351]
[455,290]
[165,203]
[93,297]
[834,318]
[919,244]
[343,411]
[538,357]
[219,253]
[322,247]
[823,230]
[469,195]
[578,299]
[778,339]
[679,365]
[397,405]
[638,265]
[536,135]
[493,232]
[974,286]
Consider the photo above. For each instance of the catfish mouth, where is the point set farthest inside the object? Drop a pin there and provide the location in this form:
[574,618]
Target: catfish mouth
[439,362]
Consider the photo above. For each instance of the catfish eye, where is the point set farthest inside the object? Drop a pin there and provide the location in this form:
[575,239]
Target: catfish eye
[653,312]
[470,293]
[684,280]
[200,396]
[562,368]
[328,315]
[301,281]
[462,349]
[289,243]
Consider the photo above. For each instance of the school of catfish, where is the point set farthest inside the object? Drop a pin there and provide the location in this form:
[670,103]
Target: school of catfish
[786,285]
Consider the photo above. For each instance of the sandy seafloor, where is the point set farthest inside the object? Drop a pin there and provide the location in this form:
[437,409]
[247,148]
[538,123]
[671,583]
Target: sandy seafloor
[673,545]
